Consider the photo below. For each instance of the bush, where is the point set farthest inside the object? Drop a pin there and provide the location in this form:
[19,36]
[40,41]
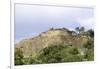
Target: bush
[89,55]
[89,44]
[58,54]
[19,57]
[55,54]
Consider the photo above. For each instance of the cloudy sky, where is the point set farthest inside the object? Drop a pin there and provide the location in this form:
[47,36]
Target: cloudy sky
[30,20]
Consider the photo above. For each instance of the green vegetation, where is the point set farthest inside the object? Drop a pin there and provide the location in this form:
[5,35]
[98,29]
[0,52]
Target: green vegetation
[90,50]
[18,57]
[59,53]
[56,54]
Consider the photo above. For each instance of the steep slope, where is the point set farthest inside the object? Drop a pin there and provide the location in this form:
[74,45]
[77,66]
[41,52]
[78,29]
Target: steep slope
[50,38]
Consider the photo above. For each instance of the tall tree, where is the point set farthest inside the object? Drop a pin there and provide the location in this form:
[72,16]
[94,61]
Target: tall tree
[91,33]
[77,29]
[80,30]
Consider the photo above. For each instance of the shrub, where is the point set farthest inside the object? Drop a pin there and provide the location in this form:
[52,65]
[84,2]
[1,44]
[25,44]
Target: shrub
[61,53]
[89,44]
[19,57]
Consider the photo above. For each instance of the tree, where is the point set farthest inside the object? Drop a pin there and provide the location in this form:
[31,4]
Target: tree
[91,33]
[59,53]
[77,29]
[89,54]
[18,57]
[80,30]
[52,28]
[89,44]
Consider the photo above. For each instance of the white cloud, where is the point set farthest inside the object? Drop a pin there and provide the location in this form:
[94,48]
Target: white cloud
[87,23]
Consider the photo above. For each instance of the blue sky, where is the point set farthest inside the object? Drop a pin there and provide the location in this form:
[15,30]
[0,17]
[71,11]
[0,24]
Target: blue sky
[30,20]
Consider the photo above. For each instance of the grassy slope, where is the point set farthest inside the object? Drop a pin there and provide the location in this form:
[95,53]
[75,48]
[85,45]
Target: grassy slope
[59,45]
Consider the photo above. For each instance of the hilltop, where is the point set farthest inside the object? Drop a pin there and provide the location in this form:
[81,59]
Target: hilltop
[53,37]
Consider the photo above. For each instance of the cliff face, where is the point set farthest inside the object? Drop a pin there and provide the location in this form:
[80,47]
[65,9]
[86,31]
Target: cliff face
[50,38]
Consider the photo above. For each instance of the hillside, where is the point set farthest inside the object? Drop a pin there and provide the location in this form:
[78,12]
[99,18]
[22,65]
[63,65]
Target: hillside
[53,38]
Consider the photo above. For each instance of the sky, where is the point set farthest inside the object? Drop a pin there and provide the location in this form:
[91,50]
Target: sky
[30,20]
